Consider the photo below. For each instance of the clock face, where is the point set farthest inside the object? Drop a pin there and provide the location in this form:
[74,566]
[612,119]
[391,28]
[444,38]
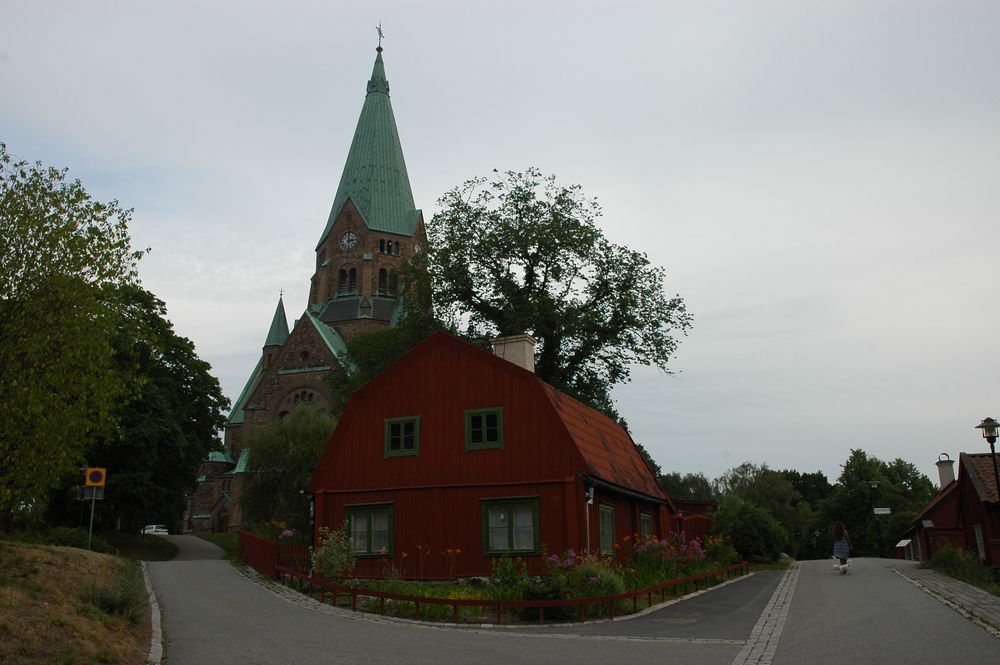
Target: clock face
[348,240]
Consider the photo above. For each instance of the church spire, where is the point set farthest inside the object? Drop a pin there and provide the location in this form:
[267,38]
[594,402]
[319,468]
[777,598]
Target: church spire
[374,175]
[278,333]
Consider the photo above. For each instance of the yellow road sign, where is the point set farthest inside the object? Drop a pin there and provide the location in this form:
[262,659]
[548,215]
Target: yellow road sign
[95,477]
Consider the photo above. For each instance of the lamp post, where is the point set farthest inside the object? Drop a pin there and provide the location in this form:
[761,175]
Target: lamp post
[878,529]
[989,427]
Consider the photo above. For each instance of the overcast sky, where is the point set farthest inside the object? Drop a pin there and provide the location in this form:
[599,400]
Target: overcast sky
[820,180]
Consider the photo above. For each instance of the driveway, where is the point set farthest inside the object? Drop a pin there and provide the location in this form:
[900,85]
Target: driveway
[214,614]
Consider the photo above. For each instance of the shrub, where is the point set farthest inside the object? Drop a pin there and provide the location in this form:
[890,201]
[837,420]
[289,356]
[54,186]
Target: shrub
[334,557]
[508,579]
[125,597]
[65,536]
[753,531]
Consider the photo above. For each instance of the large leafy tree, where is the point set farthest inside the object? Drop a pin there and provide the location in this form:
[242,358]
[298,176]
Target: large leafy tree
[686,486]
[64,257]
[523,254]
[283,456]
[168,424]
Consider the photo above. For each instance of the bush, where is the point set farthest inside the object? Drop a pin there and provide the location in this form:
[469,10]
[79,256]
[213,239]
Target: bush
[755,534]
[966,567]
[508,579]
[65,536]
[334,557]
[125,597]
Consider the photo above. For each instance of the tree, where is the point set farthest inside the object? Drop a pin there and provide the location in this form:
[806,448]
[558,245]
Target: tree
[772,492]
[688,486]
[522,254]
[283,456]
[168,425]
[63,259]
[755,534]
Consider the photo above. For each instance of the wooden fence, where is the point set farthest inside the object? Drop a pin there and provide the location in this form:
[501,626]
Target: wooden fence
[316,586]
[266,555]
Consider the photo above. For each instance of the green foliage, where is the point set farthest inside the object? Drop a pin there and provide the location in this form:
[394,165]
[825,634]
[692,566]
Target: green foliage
[166,428]
[752,530]
[334,557]
[900,487]
[688,486]
[63,259]
[966,567]
[772,492]
[68,537]
[508,579]
[283,456]
[522,254]
[125,597]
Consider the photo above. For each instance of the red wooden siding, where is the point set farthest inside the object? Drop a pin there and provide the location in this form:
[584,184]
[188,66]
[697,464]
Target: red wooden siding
[437,494]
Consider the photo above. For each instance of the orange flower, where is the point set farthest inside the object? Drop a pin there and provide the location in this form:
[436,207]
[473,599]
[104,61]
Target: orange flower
[405,555]
[626,539]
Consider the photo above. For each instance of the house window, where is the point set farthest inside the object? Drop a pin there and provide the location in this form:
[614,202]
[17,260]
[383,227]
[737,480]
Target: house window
[370,528]
[645,526]
[402,436]
[606,516]
[510,526]
[484,428]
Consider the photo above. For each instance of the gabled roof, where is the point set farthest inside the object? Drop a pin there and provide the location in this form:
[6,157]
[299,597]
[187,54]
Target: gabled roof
[278,332]
[236,414]
[374,176]
[605,445]
[334,342]
[929,509]
[979,466]
[243,464]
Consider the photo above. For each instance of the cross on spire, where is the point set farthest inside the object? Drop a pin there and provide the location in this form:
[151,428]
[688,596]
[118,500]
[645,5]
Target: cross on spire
[380,35]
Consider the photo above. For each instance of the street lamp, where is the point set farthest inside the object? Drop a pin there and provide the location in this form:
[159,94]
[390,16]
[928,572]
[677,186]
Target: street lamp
[878,528]
[989,427]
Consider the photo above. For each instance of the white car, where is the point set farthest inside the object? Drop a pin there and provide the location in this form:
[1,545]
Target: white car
[155,529]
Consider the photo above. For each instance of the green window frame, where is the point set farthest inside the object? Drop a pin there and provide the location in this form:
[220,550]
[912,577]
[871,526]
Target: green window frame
[645,526]
[370,528]
[402,436]
[510,526]
[606,521]
[484,428]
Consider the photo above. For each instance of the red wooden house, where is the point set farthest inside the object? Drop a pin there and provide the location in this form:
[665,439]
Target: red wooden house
[454,456]
[965,513]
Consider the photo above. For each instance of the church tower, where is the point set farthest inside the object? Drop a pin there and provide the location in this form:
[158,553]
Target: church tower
[373,225]
[372,229]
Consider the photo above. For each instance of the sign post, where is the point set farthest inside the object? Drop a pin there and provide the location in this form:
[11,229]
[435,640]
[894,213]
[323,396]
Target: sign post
[94,478]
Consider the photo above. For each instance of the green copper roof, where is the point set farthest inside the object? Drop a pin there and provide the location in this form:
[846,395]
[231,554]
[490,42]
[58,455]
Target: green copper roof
[217,456]
[243,465]
[375,173]
[278,333]
[331,337]
[236,414]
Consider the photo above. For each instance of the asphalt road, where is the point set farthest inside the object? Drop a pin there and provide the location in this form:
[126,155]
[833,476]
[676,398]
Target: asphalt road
[213,614]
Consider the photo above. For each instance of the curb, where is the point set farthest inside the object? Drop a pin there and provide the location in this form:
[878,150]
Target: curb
[974,618]
[156,637]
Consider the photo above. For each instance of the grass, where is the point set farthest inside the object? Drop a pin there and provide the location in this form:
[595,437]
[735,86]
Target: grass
[227,541]
[69,606]
[784,562]
[142,548]
[965,567]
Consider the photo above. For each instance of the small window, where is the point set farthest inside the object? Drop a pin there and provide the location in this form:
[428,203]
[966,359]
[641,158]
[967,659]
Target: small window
[383,280]
[342,281]
[402,436]
[381,246]
[510,526]
[607,526]
[370,528]
[484,428]
[352,281]
[645,526]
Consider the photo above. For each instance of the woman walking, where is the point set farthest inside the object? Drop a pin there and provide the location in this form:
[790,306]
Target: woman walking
[841,547]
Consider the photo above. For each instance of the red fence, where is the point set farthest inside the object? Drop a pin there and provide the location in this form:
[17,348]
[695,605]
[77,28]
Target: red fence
[313,585]
[266,555]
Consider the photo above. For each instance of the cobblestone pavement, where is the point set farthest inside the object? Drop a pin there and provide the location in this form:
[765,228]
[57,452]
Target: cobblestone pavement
[973,603]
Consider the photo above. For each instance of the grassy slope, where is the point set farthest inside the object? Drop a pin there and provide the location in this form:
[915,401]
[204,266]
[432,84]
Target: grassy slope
[227,541]
[45,613]
[142,548]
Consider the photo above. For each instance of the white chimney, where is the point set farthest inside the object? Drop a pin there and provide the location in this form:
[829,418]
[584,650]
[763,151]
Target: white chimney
[946,470]
[518,349]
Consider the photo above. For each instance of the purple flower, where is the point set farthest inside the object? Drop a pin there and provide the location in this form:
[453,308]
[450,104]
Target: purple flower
[287,533]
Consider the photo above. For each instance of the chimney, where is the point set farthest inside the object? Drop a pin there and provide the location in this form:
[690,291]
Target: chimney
[518,349]
[946,470]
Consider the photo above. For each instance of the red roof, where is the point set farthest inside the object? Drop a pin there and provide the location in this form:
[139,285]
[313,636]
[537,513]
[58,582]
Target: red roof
[605,445]
[980,466]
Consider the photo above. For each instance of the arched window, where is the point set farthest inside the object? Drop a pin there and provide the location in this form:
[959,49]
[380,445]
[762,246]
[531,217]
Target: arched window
[381,246]
[304,357]
[342,282]
[352,281]
[393,282]
[383,280]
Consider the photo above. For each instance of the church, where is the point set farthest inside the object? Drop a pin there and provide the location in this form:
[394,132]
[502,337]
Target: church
[373,227]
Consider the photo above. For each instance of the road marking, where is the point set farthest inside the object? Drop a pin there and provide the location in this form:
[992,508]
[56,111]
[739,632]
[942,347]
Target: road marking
[763,641]
[156,638]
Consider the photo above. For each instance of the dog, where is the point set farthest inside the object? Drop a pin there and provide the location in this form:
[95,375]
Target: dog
[844,568]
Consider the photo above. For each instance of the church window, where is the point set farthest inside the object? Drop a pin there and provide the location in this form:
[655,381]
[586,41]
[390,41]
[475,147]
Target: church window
[304,357]
[383,281]
[342,281]
[381,246]
[352,281]
[393,282]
